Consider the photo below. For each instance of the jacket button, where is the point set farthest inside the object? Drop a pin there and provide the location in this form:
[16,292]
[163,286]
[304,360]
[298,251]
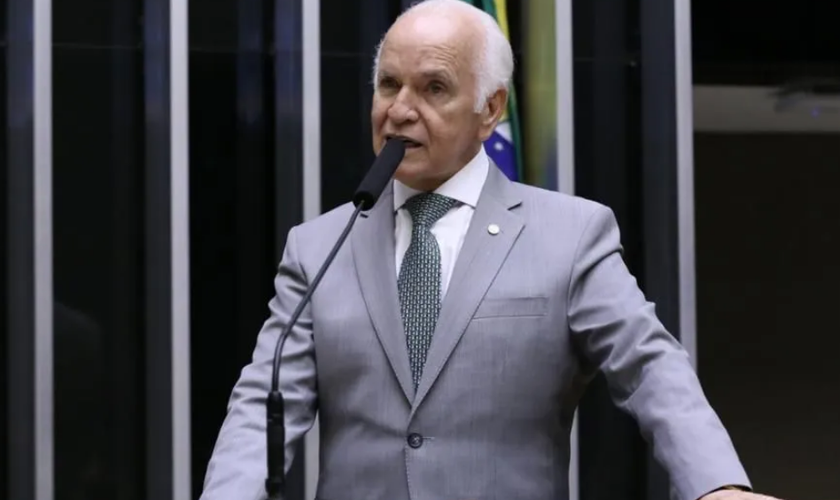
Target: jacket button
[415,440]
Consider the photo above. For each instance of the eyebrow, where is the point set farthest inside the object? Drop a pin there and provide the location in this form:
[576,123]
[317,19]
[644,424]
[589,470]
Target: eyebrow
[431,74]
[436,74]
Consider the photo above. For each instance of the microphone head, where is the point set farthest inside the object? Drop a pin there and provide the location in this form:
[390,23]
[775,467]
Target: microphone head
[380,173]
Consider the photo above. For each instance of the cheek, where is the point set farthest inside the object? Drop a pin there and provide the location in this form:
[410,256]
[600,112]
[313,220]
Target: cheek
[440,127]
[378,114]
[377,120]
[446,132]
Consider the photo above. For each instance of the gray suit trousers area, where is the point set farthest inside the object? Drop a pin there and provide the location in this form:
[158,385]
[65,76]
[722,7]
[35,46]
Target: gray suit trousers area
[530,315]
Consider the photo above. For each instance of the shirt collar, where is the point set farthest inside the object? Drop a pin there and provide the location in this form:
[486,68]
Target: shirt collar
[465,186]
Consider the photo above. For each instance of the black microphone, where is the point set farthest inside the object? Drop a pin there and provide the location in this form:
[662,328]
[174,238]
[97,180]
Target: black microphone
[379,174]
[365,198]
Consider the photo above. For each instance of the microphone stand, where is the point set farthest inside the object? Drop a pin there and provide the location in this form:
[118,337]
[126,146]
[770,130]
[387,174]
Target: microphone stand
[275,483]
[369,190]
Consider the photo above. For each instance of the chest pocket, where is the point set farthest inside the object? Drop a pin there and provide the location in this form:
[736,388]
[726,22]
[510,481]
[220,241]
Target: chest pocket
[512,307]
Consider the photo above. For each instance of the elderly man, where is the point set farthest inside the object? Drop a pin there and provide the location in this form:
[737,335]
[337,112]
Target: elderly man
[447,347]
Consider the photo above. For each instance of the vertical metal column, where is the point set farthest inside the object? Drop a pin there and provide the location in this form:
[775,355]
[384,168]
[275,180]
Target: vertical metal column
[43,232]
[311,40]
[311,46]
[685,176]
[30,259]
[565,67]
[180,249]
[564,51]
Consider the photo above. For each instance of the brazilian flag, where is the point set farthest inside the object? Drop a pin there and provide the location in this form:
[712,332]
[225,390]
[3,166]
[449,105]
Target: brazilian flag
[504,145]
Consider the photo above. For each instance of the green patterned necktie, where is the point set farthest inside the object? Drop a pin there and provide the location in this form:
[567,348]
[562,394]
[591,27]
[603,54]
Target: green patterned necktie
[419,280]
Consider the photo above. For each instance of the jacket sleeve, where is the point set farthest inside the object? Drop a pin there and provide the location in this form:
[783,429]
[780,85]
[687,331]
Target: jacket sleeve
[648,372]
[237,468]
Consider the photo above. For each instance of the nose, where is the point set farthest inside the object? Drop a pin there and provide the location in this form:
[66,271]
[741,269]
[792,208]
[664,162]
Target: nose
[401,110]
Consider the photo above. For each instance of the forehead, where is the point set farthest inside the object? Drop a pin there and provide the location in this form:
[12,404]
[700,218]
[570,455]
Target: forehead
[425,44]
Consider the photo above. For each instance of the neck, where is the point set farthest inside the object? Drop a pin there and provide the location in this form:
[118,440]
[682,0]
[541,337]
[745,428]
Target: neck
[425,185]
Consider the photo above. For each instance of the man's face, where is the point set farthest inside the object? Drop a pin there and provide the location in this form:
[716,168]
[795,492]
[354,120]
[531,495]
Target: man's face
[426,91]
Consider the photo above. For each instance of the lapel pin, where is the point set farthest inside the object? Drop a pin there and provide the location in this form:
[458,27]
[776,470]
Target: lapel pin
[493,229]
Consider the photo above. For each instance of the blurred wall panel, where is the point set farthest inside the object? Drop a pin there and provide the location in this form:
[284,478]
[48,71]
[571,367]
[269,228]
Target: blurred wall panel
[28,327]
[608,170]
[538,69]
[350,31]
[245,191]
[28,274]
[4,255]
[627,153]
[99,256]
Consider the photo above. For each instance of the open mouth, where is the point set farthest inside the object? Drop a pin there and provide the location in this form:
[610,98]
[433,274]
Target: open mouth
[409,143]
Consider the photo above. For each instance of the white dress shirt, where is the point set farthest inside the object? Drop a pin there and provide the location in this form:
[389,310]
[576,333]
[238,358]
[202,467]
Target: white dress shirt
[451,229]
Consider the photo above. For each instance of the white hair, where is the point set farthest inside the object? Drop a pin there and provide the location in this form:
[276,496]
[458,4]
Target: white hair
[493,68]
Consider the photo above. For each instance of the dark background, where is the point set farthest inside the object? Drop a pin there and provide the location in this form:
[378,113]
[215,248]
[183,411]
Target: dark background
[766,215]
[4,124]
[766,43]
[767,292]
[98,203]
[245,192]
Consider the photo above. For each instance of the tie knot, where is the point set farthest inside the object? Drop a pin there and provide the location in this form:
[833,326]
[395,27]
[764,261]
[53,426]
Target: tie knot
[428,208]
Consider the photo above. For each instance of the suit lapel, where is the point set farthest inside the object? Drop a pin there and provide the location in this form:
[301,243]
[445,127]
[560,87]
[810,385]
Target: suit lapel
[479,260]
[374,255]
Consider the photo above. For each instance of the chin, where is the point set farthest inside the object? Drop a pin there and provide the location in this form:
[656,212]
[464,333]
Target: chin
[410,176]
[417,178]
[412,167]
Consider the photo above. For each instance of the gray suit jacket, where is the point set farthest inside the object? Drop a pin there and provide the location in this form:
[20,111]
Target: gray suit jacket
[531,314]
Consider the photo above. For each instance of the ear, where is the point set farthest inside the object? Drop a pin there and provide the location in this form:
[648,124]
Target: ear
[493,111]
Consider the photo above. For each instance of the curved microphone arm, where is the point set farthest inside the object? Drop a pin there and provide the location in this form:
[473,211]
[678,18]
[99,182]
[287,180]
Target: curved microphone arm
[278,349]
[275,424]
[365,198]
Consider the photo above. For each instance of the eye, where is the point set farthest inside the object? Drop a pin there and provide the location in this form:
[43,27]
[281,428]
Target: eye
[436,88]
[388,82]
